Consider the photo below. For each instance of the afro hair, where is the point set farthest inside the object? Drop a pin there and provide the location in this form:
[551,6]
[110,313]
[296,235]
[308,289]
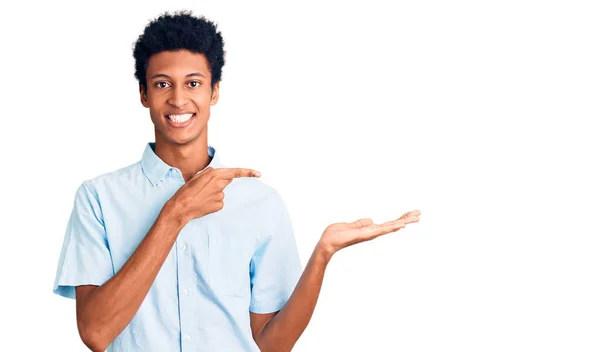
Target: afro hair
[180,30]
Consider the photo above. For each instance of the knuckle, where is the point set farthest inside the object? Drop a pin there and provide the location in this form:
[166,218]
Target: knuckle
[206,172]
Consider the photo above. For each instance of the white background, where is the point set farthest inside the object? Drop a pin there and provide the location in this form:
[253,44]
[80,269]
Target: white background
[481,114]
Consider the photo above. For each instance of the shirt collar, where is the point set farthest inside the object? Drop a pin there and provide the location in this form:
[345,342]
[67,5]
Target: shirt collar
[156,169]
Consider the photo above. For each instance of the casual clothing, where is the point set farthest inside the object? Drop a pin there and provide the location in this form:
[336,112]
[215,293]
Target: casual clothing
[224,265]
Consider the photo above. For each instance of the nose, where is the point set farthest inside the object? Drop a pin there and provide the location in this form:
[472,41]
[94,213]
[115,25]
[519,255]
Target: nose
[177,97]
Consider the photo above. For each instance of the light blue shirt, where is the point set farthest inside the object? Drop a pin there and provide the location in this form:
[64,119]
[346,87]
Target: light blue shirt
[224,265]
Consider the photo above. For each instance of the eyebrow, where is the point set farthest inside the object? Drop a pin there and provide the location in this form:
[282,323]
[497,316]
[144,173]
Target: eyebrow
[194,74]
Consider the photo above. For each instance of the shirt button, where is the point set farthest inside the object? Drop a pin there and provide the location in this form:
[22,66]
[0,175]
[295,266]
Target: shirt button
[187,337]
[186,292]
[183,247]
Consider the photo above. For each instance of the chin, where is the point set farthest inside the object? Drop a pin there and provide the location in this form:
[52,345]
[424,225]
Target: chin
[178,140]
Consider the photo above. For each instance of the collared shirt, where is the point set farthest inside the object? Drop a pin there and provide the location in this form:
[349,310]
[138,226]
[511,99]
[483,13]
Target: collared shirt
[224,265]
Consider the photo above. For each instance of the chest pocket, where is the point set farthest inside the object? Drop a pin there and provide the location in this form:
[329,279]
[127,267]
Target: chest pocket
[229,256]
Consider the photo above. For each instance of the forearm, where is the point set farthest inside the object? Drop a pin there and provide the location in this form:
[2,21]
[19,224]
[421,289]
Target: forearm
[108,309]
[286,327]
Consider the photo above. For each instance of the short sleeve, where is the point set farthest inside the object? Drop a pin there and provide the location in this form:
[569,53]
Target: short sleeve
[275,267]
[85,257]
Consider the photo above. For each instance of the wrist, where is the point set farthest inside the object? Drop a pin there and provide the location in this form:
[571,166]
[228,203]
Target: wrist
[173,213]
[324,250]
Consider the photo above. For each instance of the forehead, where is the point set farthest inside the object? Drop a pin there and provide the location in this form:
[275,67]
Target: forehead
[177,63]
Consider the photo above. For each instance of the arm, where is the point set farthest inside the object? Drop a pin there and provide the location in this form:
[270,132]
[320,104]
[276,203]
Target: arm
[104,311]
[285,327]
[280,331]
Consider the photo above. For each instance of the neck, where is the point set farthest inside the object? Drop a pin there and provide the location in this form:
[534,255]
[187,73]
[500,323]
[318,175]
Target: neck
[189,158]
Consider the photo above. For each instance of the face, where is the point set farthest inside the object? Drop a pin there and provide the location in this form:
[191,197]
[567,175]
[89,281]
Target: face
[179,96]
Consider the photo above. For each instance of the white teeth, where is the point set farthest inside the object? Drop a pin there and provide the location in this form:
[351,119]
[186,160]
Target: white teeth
[180,118]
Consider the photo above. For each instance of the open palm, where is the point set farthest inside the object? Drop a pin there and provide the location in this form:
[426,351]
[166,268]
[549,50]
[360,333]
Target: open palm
[343,234]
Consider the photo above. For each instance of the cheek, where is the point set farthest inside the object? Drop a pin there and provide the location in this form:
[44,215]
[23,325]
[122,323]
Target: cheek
[155,112]
[155,104]
[202,101]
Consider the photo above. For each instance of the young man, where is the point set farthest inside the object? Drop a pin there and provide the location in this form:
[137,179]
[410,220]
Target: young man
[178,252]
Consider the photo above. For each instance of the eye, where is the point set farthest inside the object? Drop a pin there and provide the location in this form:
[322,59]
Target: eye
[161,84]
[194,84]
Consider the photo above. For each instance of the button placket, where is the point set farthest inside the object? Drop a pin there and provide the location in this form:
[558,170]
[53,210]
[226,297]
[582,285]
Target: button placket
[183,282]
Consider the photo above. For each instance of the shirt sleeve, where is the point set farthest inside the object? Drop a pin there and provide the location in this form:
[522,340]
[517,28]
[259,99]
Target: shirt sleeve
[85,256]
[275,267]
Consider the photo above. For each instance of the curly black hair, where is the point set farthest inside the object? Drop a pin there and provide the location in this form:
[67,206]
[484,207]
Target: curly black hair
[180,30]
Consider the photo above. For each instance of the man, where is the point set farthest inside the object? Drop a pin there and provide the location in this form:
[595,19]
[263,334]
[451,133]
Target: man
[178,252]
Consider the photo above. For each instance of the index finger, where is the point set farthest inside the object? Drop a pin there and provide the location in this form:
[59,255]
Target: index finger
[230,173]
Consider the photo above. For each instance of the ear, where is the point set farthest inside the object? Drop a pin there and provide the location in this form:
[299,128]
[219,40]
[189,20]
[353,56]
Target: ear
[143,96]
[215,94]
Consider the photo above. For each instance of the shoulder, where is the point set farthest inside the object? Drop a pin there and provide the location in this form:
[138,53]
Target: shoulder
[124,177]
[91,191]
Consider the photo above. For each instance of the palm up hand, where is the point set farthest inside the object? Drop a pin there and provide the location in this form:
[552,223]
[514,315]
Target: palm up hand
[343,234]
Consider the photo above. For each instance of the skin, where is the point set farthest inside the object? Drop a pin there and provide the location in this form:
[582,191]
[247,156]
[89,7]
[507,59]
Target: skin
[280,331]
[179,82]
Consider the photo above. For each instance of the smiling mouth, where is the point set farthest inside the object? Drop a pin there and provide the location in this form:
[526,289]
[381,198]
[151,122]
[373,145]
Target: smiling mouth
[181,118]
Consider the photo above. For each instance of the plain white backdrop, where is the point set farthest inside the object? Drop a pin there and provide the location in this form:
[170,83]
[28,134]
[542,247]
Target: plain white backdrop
[483,115]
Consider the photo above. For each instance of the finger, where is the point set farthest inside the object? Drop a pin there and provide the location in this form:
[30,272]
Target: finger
[411,219]
[404,215]
[396,224]
[224,182]
[378,230]
[230,173]
[360,223]
[389,226]
[393,226]
[203,171]
[410,213]
[400,222]
[393,223]
[405,221]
